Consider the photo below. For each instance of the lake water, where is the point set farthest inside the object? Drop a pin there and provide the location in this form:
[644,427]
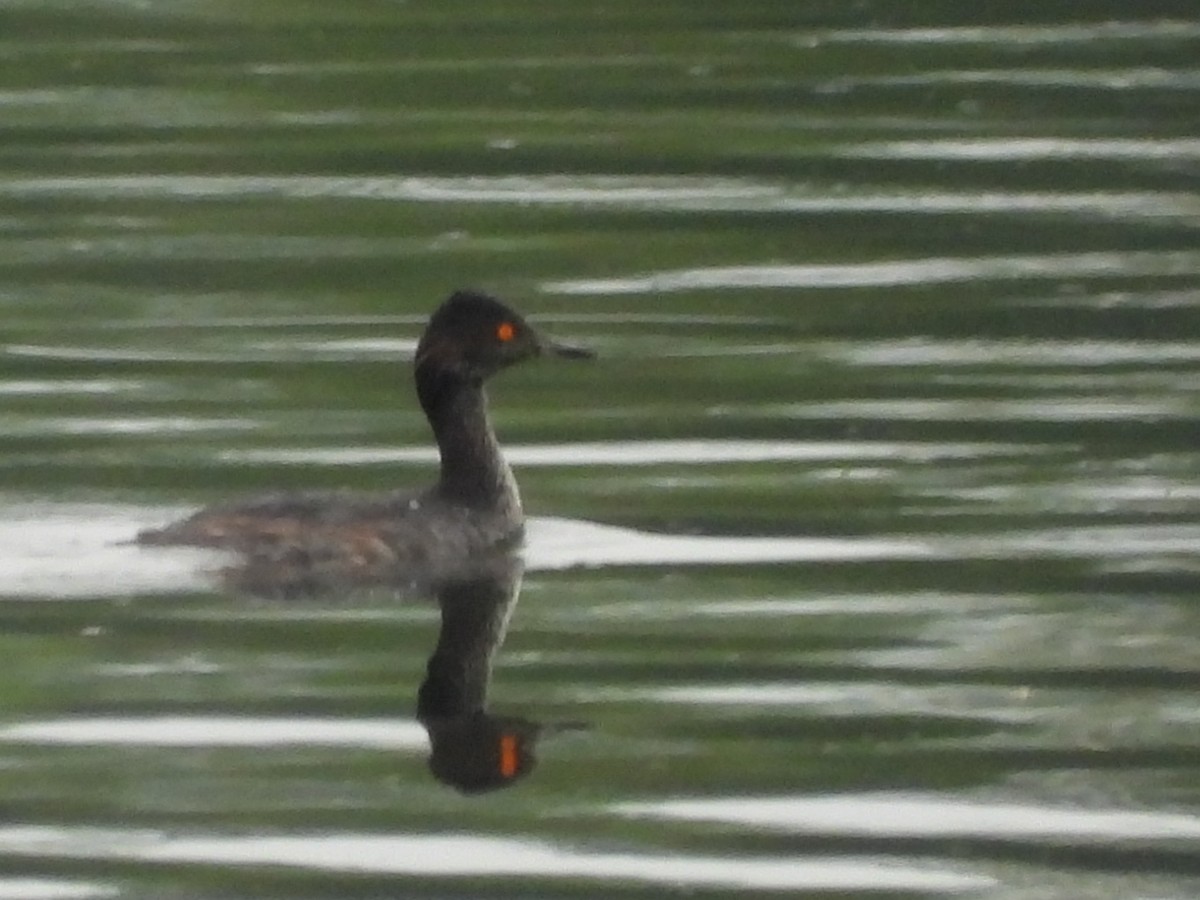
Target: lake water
[862,561]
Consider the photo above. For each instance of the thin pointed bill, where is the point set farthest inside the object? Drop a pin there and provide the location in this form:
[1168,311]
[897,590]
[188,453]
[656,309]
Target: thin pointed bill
[565,351]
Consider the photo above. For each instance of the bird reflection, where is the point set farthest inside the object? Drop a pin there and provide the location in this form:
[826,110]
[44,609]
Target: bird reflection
[472,749]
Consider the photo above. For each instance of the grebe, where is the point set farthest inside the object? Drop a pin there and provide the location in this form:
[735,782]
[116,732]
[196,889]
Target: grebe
[474,507]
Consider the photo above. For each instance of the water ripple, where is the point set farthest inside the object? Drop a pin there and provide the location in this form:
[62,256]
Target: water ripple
[218,731]
[53,889]
[915,815]
[1029,149]
[937,270]
[680,192]
[478,855]
[1045,409]
[1042,33]
[648,453]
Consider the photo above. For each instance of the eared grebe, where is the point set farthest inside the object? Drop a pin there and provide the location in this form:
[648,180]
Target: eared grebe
[472,748]
[308,540]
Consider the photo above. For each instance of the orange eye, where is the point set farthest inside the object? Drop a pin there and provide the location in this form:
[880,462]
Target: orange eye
[510,755]
[505,332]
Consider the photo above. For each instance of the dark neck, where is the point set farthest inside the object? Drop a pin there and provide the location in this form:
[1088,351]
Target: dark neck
[474,473]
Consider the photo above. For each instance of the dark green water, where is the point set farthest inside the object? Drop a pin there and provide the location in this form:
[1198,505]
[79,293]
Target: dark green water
[863,561]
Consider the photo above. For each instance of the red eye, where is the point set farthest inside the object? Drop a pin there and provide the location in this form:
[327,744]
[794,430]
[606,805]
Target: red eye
[510,755]
[505,332]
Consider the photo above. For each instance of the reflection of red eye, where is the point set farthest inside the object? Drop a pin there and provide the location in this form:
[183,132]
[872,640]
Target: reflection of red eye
[510,760]
[505,331]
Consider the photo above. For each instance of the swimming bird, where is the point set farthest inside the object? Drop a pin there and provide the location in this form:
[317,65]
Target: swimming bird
[301,540]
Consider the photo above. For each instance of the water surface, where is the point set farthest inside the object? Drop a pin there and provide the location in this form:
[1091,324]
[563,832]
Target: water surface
[861,561]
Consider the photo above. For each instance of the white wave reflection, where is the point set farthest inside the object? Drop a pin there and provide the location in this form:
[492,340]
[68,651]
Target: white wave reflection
[84,551]
[50,889]
[356,347]
[143,425]
[466,855]
[680,192]
[1042,33]
[219,731]
[69,550]
[1080,496]
[1089,353]
[1104,79]
[460,64]
[112,354]
[1028,149]
[646,453]
[848,699]
[562,189]
[1048,409]
[915,815]
[567,543]
[1112,542]
[895,272]
[250,351]
[1123,204]
[52,387]
[921,603]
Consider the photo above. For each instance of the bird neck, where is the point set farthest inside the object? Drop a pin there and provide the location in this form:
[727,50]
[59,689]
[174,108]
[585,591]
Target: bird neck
[475,614]
[473,473]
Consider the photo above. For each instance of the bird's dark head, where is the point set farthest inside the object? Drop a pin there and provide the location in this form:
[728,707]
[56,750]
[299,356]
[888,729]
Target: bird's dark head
[473,335]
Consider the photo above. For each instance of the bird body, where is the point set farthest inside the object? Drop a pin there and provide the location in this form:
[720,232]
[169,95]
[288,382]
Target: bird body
[473,508]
